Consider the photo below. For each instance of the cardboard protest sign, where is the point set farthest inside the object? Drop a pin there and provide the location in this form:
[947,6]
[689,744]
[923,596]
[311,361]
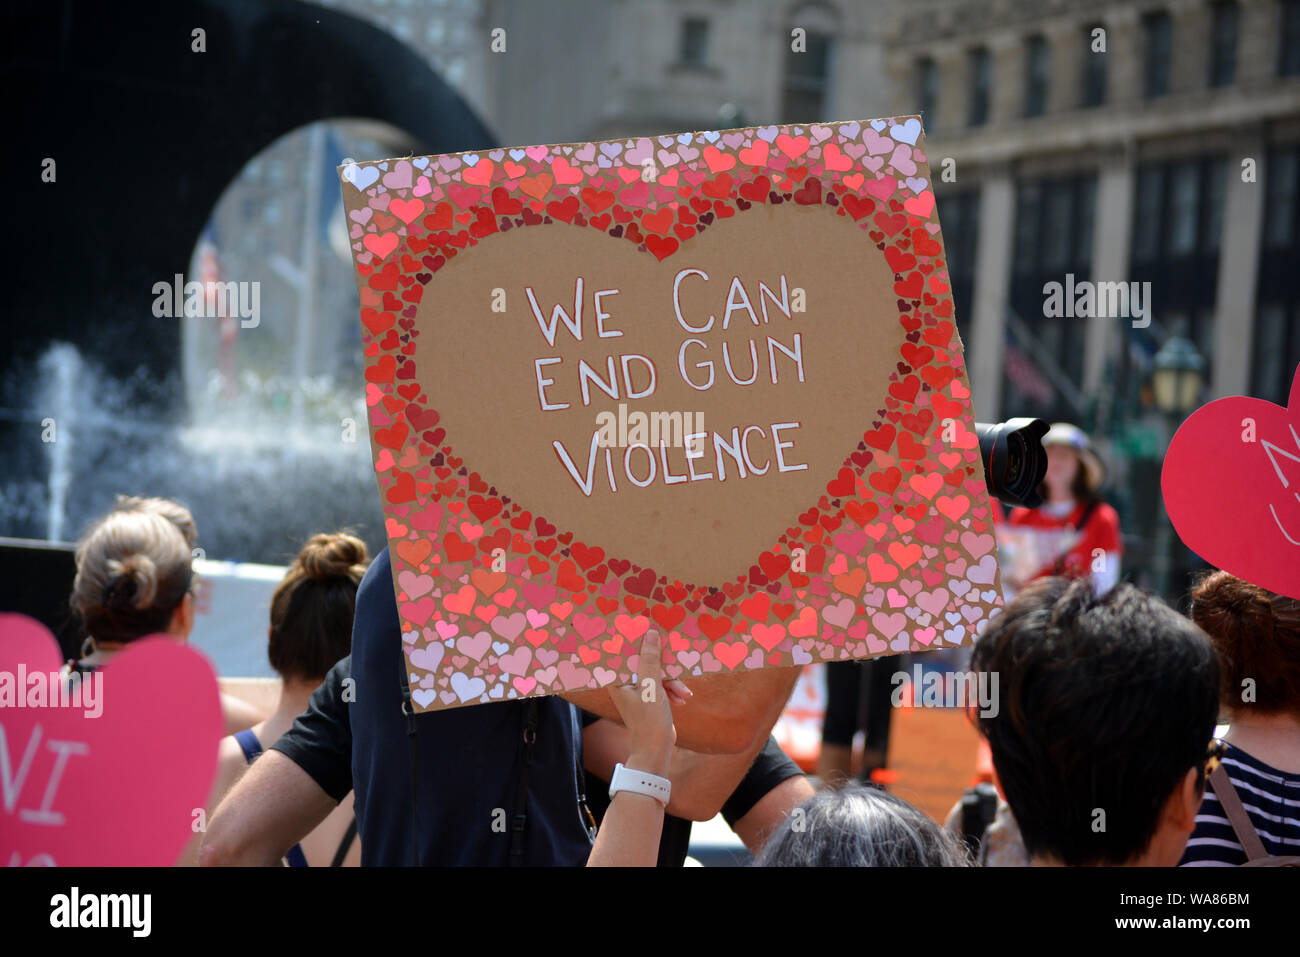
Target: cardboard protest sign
[1231,484]
[109,771]
[709,384]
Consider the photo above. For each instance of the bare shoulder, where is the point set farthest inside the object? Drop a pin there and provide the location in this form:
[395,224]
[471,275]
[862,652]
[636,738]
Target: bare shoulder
[238,713]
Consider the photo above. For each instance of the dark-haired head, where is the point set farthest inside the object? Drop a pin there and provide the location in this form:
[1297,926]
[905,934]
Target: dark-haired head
[1105,705]
[1257,635]
[860,826]
[313,607]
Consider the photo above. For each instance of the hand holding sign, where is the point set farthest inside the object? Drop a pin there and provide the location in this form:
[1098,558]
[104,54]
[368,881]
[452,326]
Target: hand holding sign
[1231,484]
[645,707]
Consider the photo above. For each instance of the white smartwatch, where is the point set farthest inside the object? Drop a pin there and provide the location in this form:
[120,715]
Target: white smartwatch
[641,782]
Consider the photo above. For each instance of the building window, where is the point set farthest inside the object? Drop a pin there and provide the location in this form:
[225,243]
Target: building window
[1094,69]
[1223,43]
[1057,228]
[1028,204]
[1281,177]
[1179,210]
[807,76]
[1053,229]
[927,83]
[1084,215]
[1146,230]
[1036,76]
[1159,32]
[693,49]
[960,213]
[1273,365]
[1289,62]
[981,81]
[1212,217]
[960,229]
[1184,199]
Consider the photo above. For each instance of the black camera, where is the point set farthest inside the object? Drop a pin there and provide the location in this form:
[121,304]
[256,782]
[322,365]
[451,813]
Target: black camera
[1014,460]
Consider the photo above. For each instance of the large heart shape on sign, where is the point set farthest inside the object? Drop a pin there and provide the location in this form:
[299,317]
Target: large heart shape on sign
[114,782]
[591,490]
[1231,484]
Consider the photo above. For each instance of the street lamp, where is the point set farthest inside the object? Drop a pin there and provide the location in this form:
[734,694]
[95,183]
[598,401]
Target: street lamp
[1176,378]
[1177,375]
[731,117]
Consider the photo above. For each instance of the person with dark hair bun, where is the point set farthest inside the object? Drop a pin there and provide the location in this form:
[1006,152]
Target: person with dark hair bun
[1257,636]
[310,631]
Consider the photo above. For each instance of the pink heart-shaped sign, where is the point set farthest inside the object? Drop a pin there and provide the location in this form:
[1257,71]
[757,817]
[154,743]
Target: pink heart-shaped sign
[111,780]
[1231,483]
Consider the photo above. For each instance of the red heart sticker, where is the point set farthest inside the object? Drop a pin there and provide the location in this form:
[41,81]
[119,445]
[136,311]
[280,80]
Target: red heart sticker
[1231,482]
[110,775]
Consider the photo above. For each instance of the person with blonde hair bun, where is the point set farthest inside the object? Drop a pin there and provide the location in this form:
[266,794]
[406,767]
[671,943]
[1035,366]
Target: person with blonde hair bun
[310,630]
[135,577]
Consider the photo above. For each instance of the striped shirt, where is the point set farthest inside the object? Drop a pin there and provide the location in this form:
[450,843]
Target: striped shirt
[1272,801]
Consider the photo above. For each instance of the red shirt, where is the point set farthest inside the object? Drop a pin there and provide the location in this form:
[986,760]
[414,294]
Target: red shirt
[1065,549]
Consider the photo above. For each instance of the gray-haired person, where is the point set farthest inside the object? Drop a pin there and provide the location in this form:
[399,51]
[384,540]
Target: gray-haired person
[860,826]
[855,826]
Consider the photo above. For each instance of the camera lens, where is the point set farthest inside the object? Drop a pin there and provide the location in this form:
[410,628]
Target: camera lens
[1014,460]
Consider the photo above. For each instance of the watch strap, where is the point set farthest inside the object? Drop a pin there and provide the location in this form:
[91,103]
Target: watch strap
[639,782]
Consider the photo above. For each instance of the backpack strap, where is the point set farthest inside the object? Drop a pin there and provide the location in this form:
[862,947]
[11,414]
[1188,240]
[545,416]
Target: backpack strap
[1236,814]
[409,711]
[588,819]
[345,844]
[520,821]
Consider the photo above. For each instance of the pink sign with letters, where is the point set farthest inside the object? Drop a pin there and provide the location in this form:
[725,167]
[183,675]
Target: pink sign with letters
[1231,483]
[115,773]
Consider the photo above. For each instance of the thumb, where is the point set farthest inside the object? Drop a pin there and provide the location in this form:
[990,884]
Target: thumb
[650,657]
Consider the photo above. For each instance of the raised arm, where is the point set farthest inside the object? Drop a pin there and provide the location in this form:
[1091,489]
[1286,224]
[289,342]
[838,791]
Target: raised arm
[272,807]
[629,835]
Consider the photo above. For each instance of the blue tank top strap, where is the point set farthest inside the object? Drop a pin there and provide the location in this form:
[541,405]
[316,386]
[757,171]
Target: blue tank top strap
[249,744]
[295,857]
[251,747]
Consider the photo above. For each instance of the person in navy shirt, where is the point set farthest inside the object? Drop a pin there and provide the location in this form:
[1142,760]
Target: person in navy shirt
[492,784]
